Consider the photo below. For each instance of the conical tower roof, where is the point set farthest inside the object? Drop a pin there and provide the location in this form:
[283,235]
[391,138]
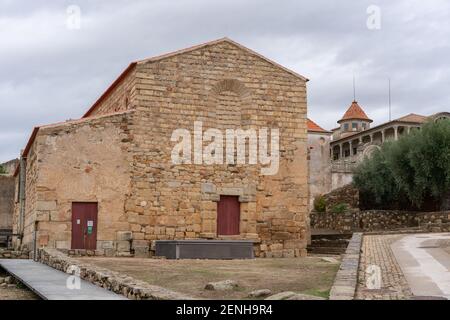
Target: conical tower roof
[355,112]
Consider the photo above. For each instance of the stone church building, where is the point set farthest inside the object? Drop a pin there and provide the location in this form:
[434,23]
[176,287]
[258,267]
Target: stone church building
[106,182]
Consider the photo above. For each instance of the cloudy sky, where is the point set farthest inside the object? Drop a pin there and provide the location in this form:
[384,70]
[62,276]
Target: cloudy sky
[50,71]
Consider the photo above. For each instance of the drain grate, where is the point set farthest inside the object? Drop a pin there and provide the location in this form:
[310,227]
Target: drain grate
[427,298]
[379,291]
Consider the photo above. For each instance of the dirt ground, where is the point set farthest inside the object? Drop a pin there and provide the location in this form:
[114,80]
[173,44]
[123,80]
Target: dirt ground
[311,275]
[19,292]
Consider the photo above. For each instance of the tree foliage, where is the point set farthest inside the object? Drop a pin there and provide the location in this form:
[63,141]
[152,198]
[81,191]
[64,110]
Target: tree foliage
[416,168]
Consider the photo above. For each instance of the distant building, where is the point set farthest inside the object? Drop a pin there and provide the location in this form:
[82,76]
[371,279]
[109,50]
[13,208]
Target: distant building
[355,139]
[6,198]
[350,143]
[319,160]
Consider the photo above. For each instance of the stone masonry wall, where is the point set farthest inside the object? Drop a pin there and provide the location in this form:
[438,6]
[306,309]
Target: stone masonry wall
[123,160]
[381,220]
[319,165]
[206,85]
[31,195]
[79,161]
[6,201]
[348,195]
[13,254]
[122,98]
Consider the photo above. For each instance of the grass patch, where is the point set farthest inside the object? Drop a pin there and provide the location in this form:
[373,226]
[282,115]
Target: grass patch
[310,275]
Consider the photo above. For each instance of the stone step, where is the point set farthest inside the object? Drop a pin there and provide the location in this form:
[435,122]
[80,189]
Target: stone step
[329,244]
[326,250]
[340,236]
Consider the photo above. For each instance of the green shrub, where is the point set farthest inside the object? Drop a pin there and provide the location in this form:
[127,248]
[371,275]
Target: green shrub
[415,168]
[2,170]
[339,208]
[320,204]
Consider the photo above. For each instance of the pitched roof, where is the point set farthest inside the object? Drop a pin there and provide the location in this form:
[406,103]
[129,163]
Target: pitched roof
[132,66]
[355,112]
[225,39]
[314,127]
[174,53]
[412,117]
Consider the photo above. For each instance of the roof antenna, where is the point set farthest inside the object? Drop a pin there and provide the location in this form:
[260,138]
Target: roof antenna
[390,107]
[354,88]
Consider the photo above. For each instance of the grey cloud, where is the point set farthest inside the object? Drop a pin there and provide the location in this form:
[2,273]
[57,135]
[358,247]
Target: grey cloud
[49,73]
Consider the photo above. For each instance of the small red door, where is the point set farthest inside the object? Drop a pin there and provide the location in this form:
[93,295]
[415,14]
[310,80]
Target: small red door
[84,225]
[228,216]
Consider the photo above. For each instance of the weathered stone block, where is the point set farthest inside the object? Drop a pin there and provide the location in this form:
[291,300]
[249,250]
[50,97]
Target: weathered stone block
[105,244]
[62,244]
[110,252]
[122,246]
[141,252]
[45,205]
[124,235]
[208,188]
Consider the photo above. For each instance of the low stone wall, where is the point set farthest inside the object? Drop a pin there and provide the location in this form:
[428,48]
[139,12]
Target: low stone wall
[347,194]
[12,254]
[110,280]
[380,220]
[344,286]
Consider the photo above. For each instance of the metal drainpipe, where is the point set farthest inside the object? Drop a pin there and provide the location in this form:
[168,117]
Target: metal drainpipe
[22,196]
[35,248]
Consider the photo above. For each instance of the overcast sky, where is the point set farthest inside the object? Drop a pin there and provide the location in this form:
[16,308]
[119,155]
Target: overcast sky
[51,72]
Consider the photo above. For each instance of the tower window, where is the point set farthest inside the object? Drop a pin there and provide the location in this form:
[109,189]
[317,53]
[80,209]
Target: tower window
[346,127]
[354,125]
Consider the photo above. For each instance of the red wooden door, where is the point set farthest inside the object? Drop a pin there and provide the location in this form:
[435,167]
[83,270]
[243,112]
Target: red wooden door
[84,225]
[228,216]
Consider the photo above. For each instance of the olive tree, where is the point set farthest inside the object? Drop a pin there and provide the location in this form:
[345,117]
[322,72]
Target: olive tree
[416,167]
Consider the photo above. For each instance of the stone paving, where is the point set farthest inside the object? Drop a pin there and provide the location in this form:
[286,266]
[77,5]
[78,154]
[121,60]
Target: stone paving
[376,250]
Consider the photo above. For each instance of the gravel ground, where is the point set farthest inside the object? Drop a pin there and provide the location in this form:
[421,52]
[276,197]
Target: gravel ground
[311,275]
[15,292]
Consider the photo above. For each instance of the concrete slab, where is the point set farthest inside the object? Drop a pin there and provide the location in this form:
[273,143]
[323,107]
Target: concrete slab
[425,265]
[51,284]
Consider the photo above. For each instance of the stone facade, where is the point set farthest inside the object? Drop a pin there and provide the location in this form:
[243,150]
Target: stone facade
[83,161]
[319,164]
[7,196]
[119,155]
[9,167]
[6,202]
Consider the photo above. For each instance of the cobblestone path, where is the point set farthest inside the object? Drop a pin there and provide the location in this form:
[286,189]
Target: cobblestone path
[376,251]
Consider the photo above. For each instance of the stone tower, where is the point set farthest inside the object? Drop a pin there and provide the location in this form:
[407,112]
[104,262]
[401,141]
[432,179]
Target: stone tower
[354,120]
